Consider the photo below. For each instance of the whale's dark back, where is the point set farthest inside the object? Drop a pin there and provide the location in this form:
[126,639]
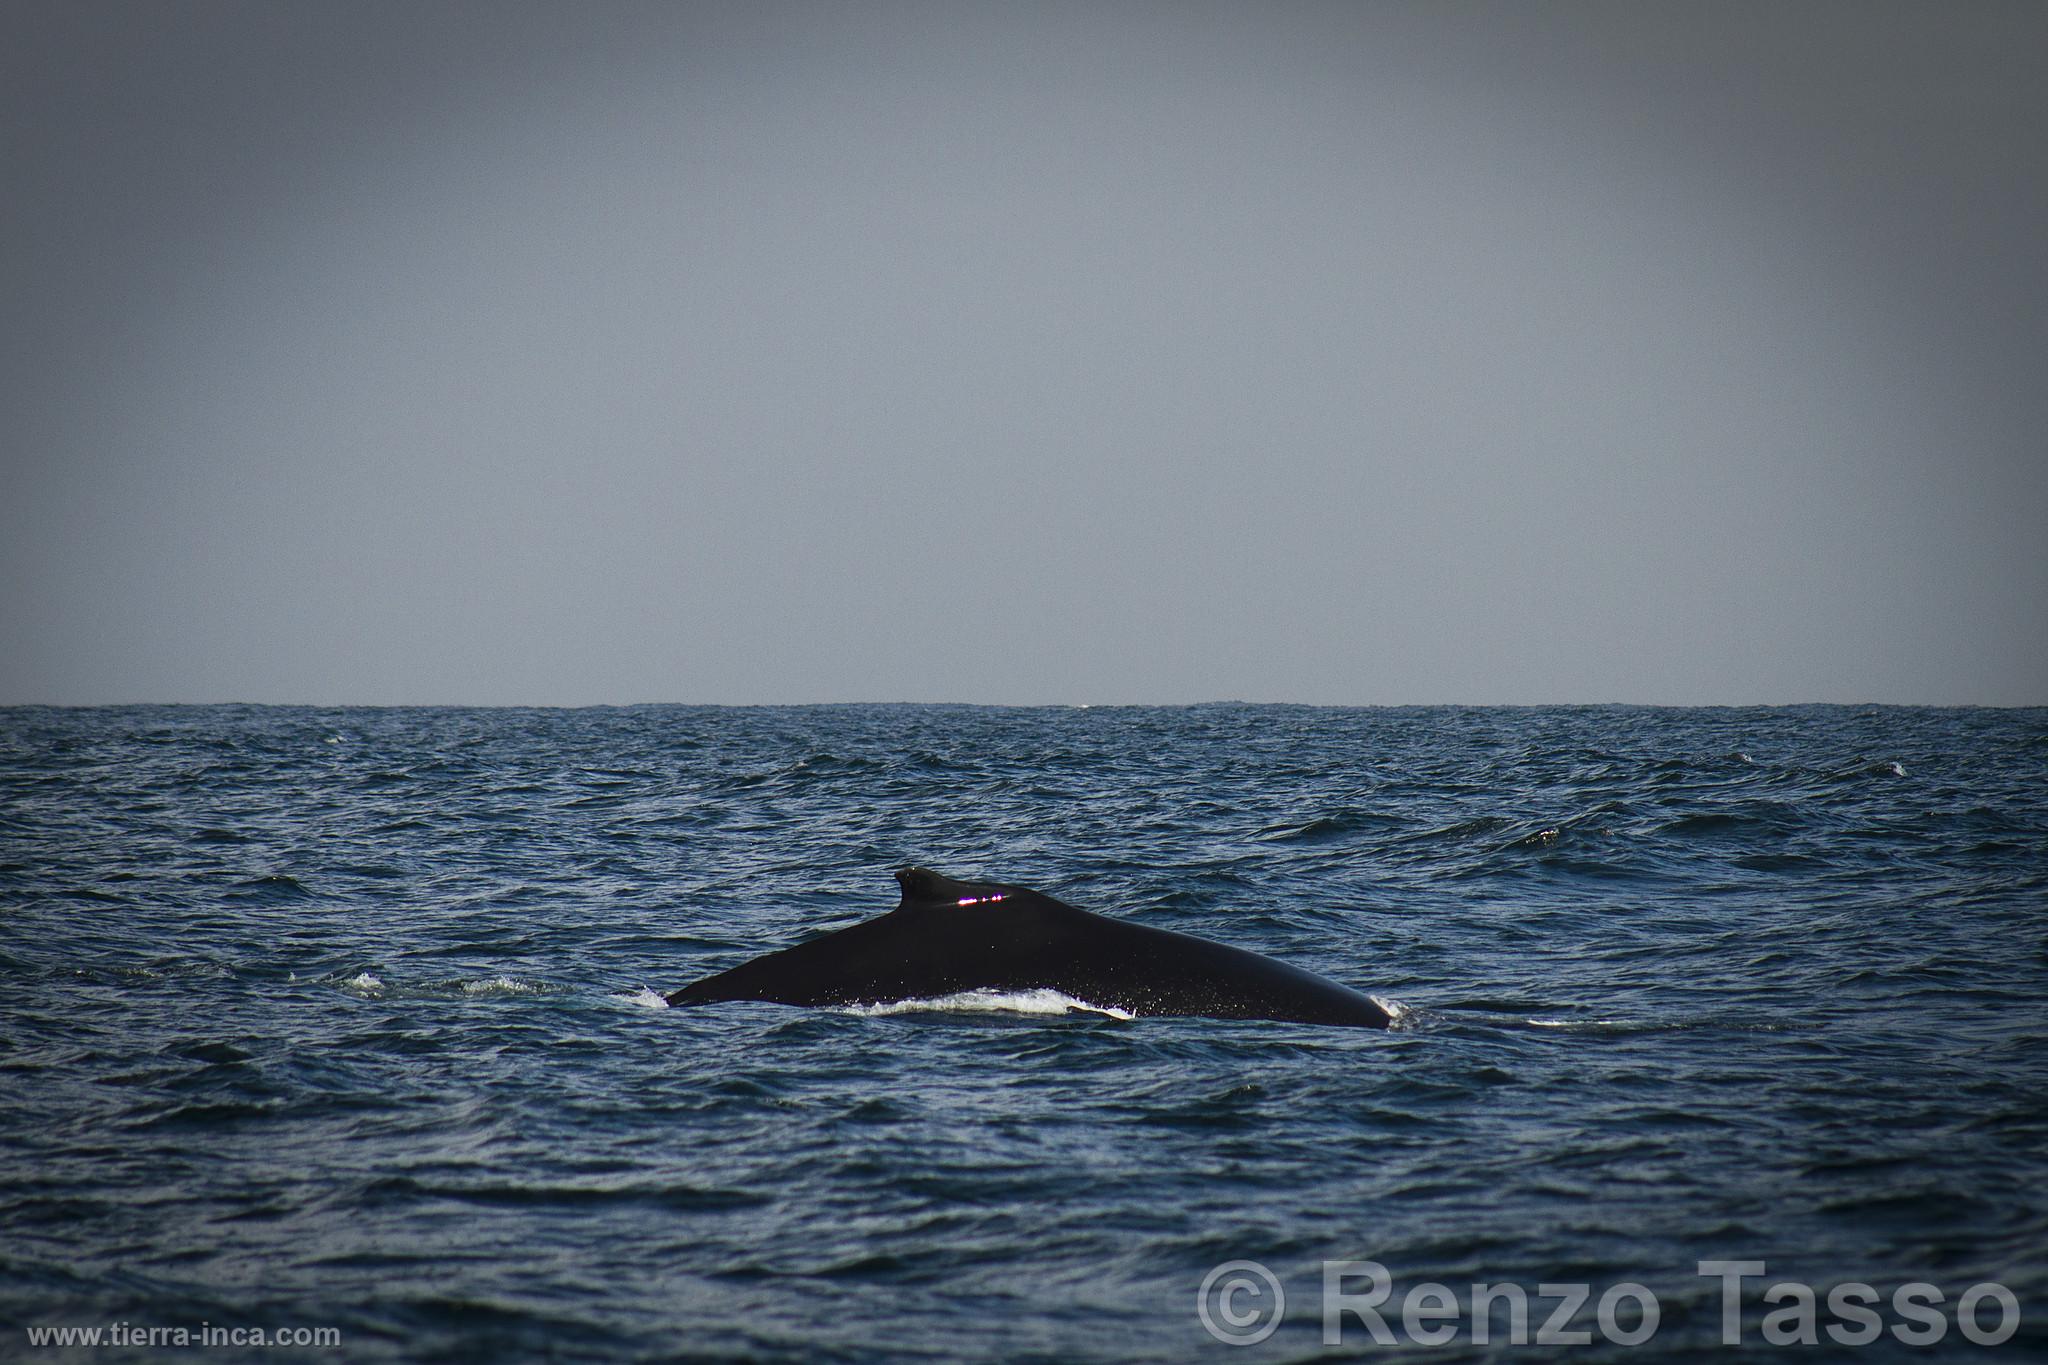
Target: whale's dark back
[949,936]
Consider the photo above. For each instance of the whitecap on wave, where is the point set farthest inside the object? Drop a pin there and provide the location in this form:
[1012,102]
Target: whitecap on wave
[1042,1001]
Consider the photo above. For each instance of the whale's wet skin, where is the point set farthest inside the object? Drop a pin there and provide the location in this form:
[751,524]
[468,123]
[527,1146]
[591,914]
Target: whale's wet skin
[949,938]
[350,1019]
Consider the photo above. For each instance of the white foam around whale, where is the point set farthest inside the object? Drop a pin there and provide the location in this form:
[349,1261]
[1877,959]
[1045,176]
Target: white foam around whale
[500,985]
[1041,1001]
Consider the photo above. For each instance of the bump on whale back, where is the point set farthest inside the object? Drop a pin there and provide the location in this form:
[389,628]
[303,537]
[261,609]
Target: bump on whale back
[924,887]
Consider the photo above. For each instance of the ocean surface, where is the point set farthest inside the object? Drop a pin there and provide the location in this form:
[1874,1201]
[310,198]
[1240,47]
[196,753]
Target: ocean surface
[349,1019]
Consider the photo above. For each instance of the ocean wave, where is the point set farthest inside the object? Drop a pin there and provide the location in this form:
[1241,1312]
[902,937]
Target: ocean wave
[1796,1013]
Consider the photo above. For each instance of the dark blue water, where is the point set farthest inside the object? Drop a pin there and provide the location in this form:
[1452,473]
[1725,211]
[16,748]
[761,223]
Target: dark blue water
[344,1018]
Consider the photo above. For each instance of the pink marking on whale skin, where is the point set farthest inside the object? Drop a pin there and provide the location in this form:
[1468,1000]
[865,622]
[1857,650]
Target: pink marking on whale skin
[984,900]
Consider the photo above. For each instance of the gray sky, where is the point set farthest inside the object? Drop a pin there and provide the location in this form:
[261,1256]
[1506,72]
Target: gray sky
[1023,353]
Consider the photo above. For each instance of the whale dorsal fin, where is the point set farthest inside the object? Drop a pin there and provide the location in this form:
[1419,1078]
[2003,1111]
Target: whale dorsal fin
[922,886]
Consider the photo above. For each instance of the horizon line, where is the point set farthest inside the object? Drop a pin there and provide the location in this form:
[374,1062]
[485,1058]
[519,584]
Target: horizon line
[1030,705]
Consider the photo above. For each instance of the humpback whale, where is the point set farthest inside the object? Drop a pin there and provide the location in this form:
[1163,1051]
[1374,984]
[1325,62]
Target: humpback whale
[951,936]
